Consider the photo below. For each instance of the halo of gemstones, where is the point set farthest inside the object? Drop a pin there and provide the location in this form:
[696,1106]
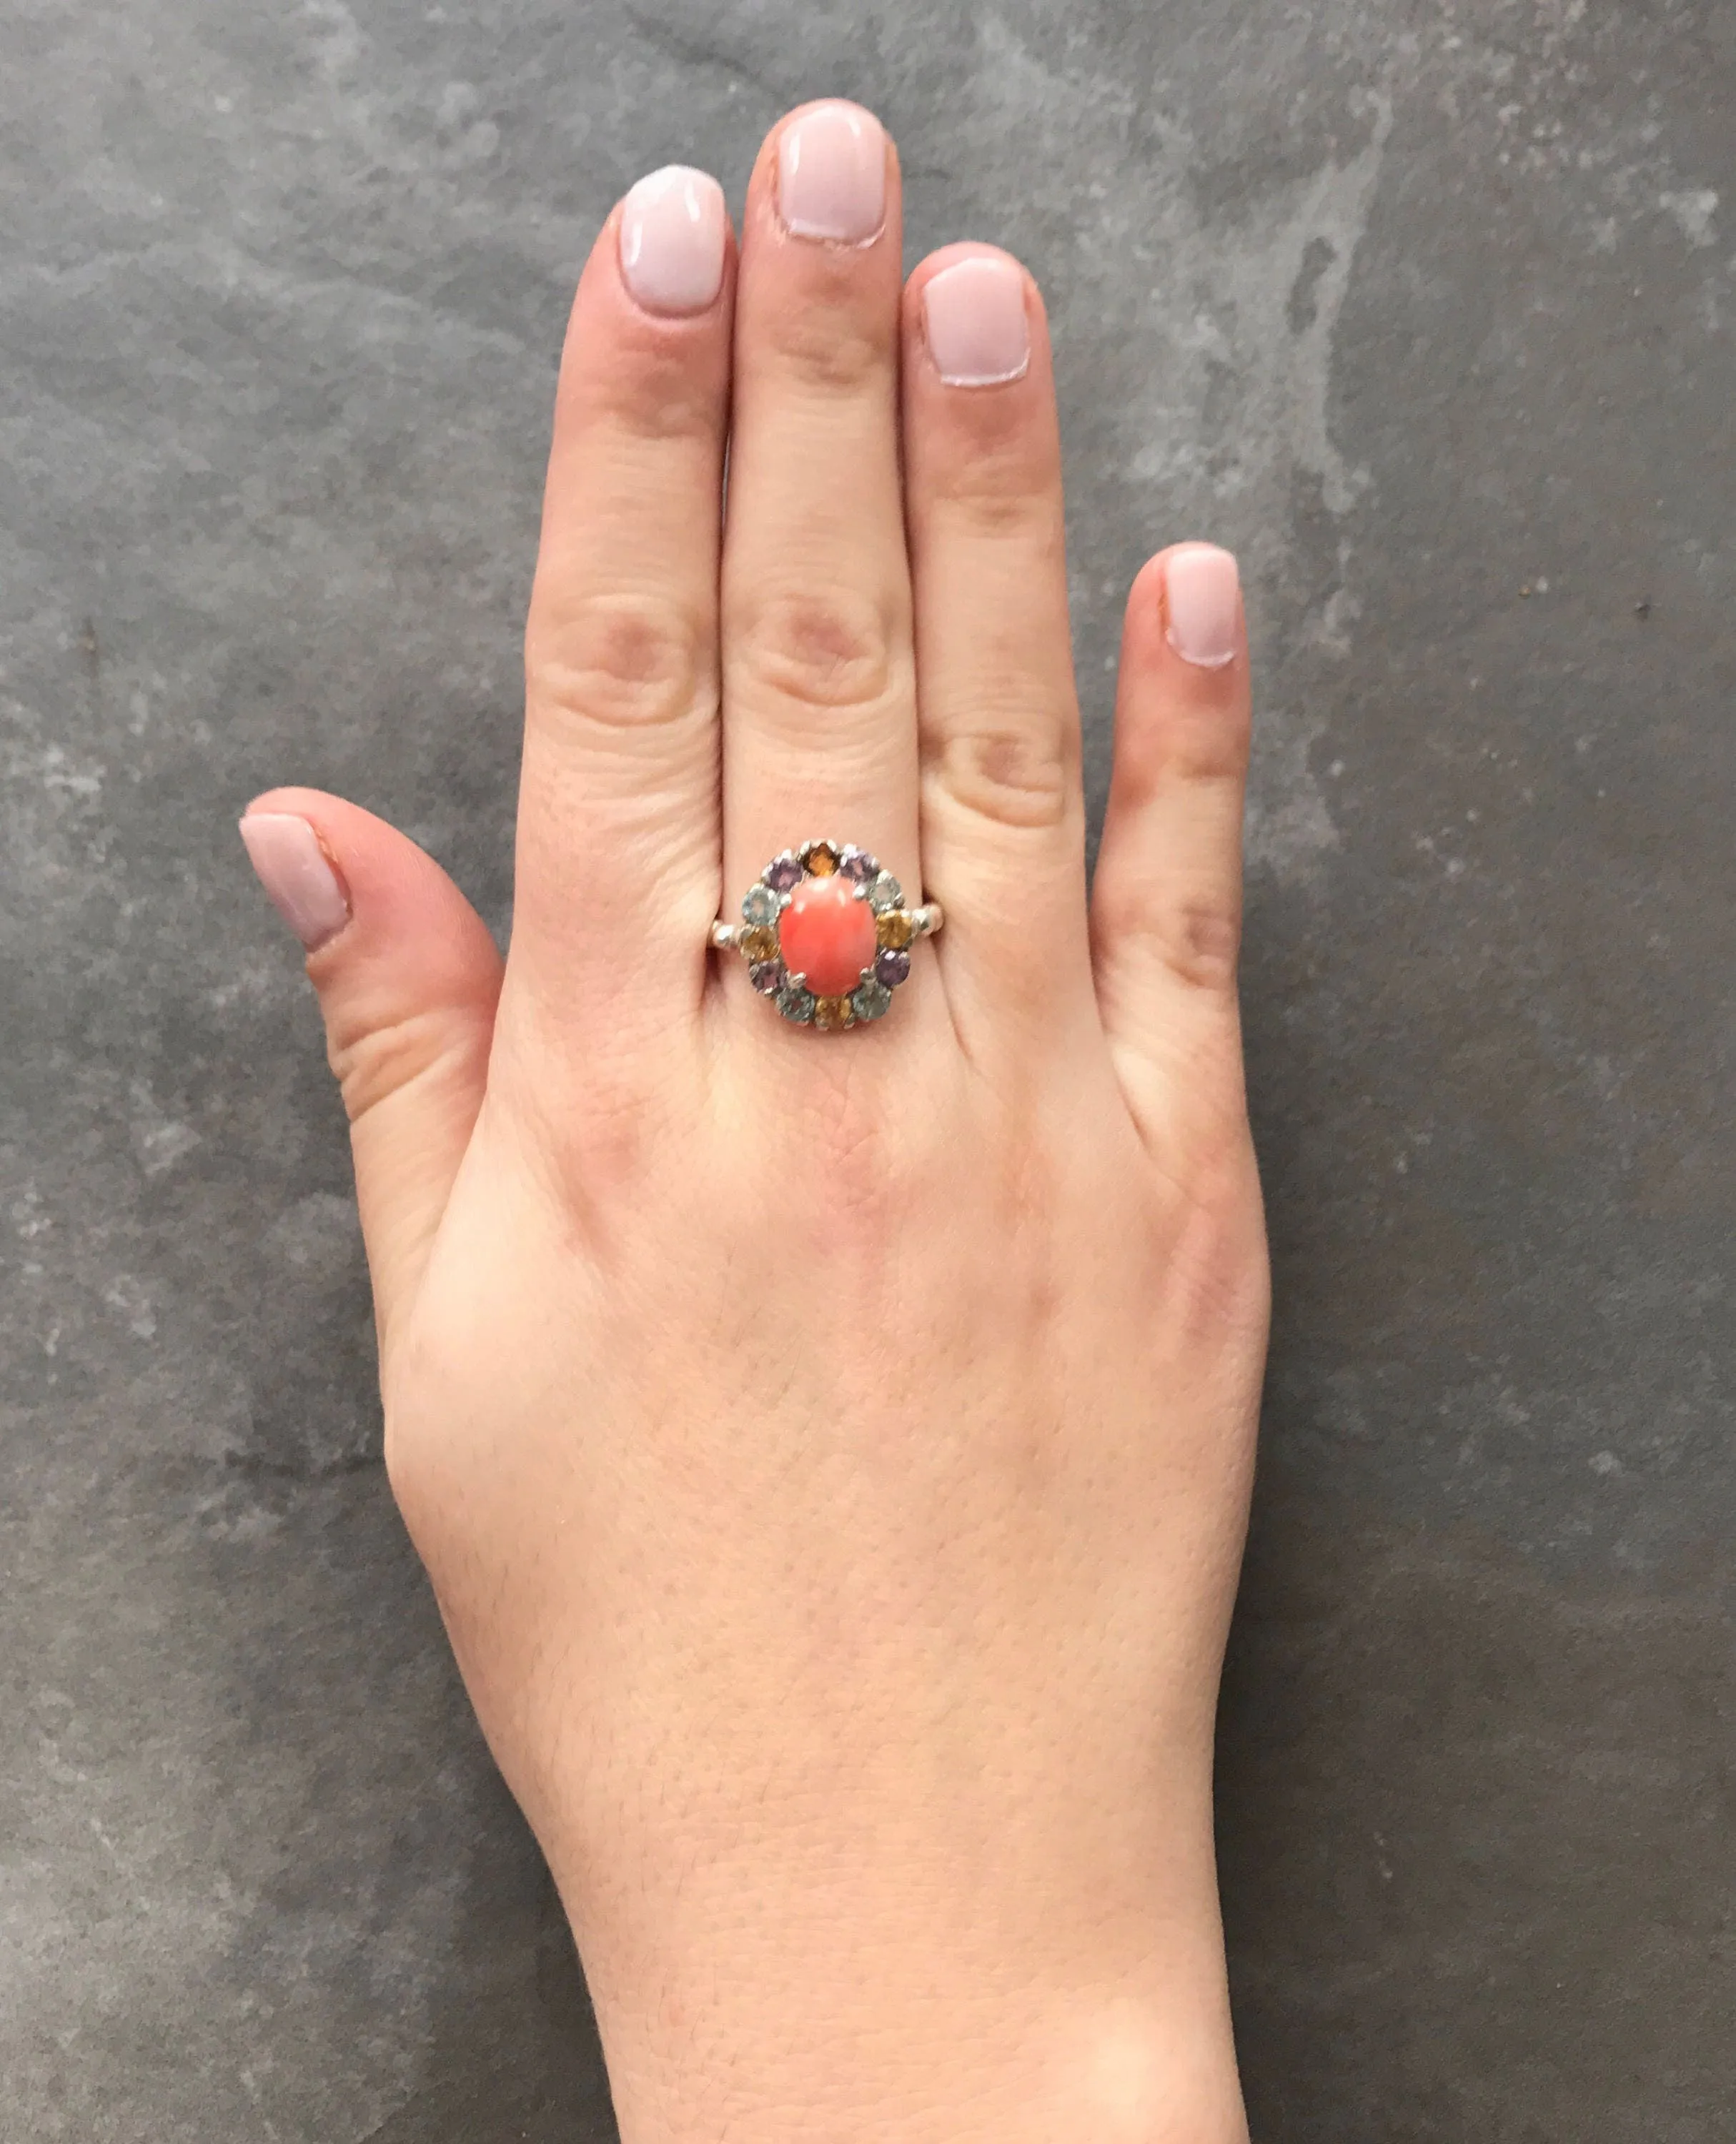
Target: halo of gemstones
[758,939]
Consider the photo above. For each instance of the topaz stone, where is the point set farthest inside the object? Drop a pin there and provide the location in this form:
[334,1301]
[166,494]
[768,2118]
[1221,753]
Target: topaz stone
[826,935]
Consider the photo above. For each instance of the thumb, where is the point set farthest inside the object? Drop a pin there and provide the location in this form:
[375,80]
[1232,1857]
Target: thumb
[408,977]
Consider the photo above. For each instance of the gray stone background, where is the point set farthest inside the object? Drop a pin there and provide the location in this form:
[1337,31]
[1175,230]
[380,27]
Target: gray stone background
[1427,309]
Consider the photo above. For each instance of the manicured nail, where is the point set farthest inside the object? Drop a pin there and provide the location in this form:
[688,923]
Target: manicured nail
[974,313]
[297,876]
[1204,592]
[672,227]
[831,174]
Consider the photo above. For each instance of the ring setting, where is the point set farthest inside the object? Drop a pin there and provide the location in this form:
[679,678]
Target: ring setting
[826,934]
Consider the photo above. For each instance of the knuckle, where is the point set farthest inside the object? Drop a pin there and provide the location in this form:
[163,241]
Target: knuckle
[830,650]
[1208,746]
[662,401]
[624,661]
[642,388]
[833,349]
[998,483]
[1018,771]
[1202,943]
[1197,938]
[374,1059]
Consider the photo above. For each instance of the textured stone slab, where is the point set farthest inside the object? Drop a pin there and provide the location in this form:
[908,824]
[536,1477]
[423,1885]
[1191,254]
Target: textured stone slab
[1428,311]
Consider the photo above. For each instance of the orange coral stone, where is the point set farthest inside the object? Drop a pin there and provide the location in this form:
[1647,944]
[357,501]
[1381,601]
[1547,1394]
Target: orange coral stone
[826,935]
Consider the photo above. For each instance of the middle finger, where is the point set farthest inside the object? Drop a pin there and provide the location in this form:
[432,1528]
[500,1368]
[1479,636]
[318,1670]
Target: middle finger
[820,717]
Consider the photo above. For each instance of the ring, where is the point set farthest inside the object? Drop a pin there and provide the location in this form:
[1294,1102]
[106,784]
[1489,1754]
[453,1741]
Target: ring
[826,935]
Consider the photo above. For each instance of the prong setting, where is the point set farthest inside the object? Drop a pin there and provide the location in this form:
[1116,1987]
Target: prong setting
[770,907]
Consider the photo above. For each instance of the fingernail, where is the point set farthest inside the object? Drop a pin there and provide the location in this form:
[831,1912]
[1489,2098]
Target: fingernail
[1203,591]
[672,226]
[297,876]
[974,314]
[831,174]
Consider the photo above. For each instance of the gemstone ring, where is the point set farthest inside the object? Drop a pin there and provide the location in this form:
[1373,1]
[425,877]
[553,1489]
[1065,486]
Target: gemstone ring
[826,935]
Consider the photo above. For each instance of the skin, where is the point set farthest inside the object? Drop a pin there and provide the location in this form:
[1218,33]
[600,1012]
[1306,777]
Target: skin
[832,1453]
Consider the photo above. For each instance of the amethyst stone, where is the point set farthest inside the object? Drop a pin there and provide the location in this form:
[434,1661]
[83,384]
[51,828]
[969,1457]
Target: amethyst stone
[891,966]
[857,865]
[767,977]
[783,873]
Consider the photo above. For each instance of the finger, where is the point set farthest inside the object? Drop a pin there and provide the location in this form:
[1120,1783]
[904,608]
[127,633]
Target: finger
[819,725]
[1166,907]
[617,847]
[408,977]
[1003,808]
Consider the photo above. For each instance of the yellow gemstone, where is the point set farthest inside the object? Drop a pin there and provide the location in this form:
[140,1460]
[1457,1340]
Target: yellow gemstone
[758,942]
[894,929]
[829,1013]
[822,860]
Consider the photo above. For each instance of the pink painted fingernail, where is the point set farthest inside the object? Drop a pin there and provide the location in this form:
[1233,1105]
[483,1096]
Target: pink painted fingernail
[973,313]
[297,875]
[831,174]
[673,237]
[1204,592]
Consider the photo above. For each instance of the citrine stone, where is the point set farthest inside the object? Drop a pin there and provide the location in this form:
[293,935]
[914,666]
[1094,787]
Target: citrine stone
[895,929]
[759,943]
[821,859]
[826,935]
[831,1013]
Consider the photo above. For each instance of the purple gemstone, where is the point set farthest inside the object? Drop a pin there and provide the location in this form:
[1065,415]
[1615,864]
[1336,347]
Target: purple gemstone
[891,966]
[767,977]
[783,873]
[858,865]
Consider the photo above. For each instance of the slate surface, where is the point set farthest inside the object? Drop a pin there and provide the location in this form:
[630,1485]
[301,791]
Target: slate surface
[1428,310]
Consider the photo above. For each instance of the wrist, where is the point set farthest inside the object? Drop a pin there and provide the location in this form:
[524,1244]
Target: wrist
[1151,2064]
[934,2003]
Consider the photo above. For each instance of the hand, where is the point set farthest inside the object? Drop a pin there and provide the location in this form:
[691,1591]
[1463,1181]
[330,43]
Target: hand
[830,1451]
